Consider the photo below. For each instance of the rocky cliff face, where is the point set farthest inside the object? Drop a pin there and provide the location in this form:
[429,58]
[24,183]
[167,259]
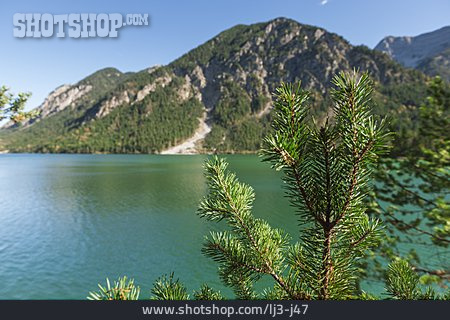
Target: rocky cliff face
[59,99]
[421,51]
[249,62]
[224,85]
[73,95]
[281,50]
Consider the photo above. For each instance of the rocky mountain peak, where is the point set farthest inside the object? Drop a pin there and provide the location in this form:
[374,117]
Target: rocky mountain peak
[217,97]
[411,51]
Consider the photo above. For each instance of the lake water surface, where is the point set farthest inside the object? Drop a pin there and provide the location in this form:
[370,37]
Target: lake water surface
[69,221]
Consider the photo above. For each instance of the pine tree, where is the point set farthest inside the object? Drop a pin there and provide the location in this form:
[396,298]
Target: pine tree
[327,169]
[327,172]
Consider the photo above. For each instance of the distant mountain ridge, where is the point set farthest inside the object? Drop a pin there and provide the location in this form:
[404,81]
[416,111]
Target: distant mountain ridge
[215,98]
[428,52]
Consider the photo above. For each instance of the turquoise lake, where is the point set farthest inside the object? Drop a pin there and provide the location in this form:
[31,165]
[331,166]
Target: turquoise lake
[69,221]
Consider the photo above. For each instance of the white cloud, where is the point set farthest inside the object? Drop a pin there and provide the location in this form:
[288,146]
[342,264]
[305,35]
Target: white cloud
[323,2]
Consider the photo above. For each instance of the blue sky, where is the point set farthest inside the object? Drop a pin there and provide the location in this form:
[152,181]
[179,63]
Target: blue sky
[40,65]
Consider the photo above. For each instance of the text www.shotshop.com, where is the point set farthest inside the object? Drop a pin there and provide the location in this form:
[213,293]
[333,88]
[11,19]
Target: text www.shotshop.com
[270,309]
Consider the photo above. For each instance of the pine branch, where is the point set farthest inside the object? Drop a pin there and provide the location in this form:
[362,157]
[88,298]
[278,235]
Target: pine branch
[353,184]
[243,222]
[292,164]
[361,239]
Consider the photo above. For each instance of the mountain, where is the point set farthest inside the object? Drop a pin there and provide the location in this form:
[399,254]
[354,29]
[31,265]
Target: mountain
[215,98]
[84,92]
[428,52]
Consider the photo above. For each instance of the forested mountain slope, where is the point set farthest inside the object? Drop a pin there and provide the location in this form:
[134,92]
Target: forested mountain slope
[227,82]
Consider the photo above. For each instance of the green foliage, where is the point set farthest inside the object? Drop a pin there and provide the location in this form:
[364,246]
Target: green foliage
[251,247]
[216,139]
[411,195]
[123,289]
[327,176]
[327,173]
[12,107]
[233,105]
[207,293]
[155,123]
[401,101]
[367,296]
[399,91]
[402,282]
[246,136]
[220,48]
[437,65]
[103,80]
[51,133]
[167,288]
[434,124]
[235,93]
